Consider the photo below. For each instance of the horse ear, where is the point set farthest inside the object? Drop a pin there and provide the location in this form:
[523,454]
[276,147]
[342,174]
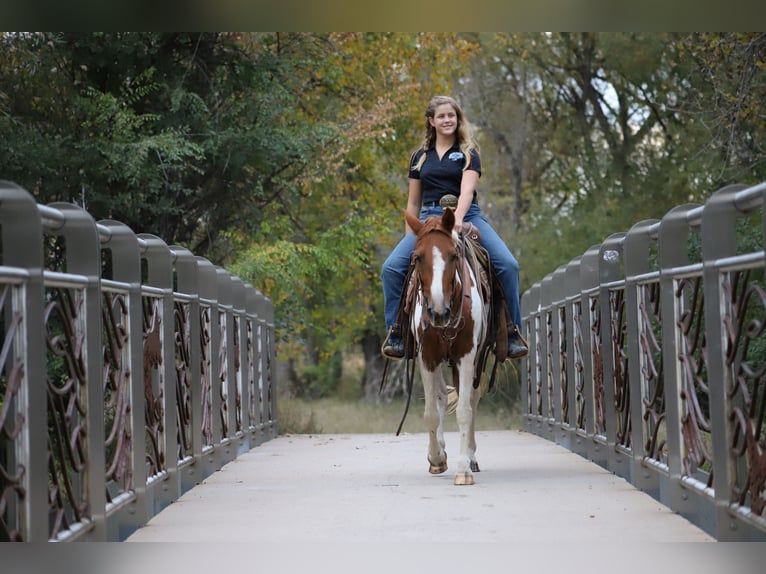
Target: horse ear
[414,223]
[448,219]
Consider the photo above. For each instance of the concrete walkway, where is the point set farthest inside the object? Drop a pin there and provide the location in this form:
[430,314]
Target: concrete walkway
[377,489]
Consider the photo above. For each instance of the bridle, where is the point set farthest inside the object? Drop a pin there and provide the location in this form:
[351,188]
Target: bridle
[456,321]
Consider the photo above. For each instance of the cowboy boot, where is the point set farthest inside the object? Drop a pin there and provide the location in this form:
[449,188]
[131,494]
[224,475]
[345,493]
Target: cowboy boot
[393,346]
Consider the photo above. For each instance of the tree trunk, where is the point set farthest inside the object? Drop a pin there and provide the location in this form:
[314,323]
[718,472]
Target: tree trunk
[374,365]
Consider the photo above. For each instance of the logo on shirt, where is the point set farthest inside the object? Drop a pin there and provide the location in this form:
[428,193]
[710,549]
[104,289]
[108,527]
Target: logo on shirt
[456,155]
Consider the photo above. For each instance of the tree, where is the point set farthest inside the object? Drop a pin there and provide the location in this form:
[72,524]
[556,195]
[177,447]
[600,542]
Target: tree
[581,134]
[724,109]
[365,90]
[164,131]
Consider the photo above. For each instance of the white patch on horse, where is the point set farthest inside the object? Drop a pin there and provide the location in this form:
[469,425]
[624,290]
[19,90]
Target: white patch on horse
[437,284]
[477,307]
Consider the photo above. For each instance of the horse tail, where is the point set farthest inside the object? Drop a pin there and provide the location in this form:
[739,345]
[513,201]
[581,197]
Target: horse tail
[484,384]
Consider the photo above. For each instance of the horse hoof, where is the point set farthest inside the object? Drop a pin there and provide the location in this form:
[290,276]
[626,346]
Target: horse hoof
[474,466]
[463,479]
[438,468]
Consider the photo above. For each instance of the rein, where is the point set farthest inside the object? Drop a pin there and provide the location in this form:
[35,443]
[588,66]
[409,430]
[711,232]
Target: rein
[456,321]
[450,330]
[476,257]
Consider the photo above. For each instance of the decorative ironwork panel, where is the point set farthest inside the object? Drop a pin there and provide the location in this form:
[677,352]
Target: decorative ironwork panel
[183,366]
[238,371]
[260,345]
[650,340]
[695,394]
[223,374]
[268,378]
[117,405]
[563,364]
[541,362]
[12,420]
[253,393]
[532,366]
[618,333]
[205,380]
[579,378]
[745,346]
[597,352]
[66,382]
[549,363]
[154,385]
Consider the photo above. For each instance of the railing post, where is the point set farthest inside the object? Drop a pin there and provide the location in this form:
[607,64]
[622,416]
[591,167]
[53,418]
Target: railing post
[270,356]
[190,367]
[126,269]
[719,240]
[159,274]
[530,365]
[559,354]
[239,419]
[253,405]
[527,311]
[546,353]
[610,276]
[83,258]
[673,238]
[592,353]
[211,366]
[226,373]
[637,249]
[27,461]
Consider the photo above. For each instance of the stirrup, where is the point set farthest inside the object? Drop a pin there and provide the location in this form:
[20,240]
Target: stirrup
[521,349]
[391,350]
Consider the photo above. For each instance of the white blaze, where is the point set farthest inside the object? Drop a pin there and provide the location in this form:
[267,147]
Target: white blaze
[437,292]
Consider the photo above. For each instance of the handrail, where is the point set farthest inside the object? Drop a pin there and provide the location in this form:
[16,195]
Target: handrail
[135,388]
[649,365]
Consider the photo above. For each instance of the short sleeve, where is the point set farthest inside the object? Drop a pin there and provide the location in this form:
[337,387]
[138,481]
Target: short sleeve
[414,158]
[475,164]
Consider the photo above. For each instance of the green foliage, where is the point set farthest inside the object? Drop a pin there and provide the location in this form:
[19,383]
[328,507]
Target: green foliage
[162,131]
[283,155]
[585,134]
[322,380]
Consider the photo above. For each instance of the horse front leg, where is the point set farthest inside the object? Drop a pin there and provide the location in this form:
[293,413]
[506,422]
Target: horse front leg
[475,395]
[435,390]
[465,413]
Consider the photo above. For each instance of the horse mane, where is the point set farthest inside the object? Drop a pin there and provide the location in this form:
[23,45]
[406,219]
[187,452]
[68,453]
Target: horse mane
[436,223]
[433,224]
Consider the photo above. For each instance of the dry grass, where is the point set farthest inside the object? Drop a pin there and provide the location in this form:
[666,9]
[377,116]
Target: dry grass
[348,412]
[333,416]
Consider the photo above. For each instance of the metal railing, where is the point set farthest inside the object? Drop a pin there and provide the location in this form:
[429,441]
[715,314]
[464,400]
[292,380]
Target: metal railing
[129,371]
[648,356]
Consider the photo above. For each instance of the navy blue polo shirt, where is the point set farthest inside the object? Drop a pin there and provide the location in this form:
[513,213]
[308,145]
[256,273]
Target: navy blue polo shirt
[439,177]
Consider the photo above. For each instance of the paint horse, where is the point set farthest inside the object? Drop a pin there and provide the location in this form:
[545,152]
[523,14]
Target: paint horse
[449,319]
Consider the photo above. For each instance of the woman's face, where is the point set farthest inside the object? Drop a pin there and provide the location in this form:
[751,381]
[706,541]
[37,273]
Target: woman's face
[444,120]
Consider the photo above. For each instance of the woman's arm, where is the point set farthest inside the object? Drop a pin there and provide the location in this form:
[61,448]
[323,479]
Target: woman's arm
[414,201]
[467,188]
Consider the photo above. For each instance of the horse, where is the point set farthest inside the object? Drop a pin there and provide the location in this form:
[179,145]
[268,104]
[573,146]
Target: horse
[449,321]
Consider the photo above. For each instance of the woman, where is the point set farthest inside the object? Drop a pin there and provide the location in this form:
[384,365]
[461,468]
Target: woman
[448,162]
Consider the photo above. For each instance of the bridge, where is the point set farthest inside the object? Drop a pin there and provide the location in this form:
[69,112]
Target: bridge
[138,397]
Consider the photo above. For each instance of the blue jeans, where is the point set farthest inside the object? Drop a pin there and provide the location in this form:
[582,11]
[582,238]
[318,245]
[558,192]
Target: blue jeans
[504,264]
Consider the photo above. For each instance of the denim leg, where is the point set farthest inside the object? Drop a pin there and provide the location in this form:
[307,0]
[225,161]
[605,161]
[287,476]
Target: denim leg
[503,262]
[393,274]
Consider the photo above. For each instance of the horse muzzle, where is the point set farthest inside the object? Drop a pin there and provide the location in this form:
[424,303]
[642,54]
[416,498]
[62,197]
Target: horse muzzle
[438,317]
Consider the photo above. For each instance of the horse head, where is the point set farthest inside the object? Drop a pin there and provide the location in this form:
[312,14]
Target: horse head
[437,263]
